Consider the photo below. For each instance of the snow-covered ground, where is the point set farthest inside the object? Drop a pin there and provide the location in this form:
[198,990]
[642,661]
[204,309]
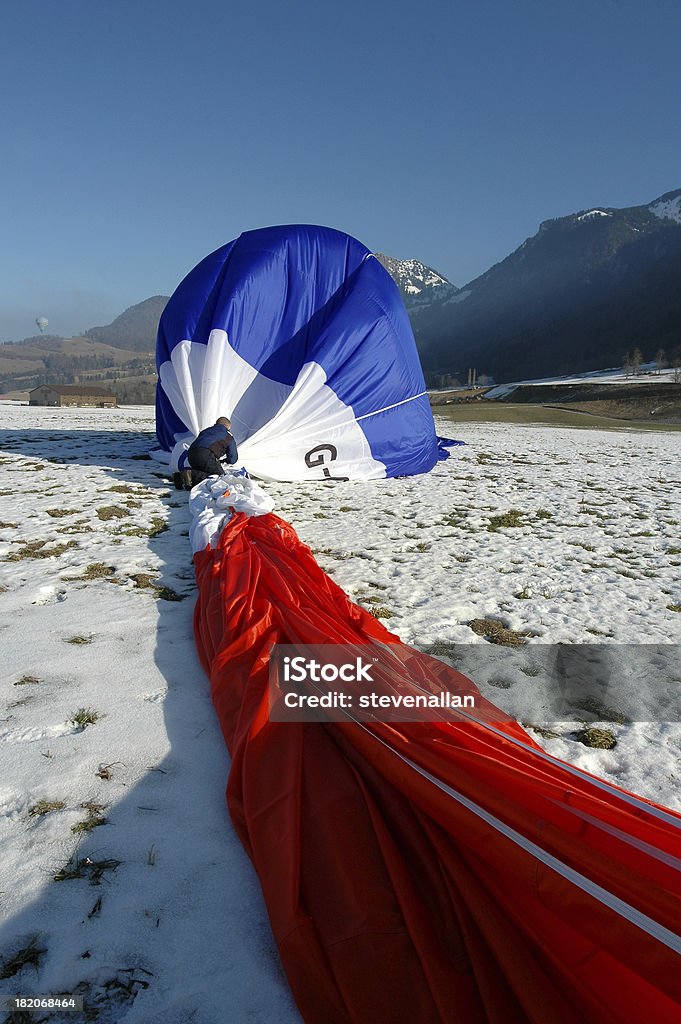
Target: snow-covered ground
[648,373]
[166,922]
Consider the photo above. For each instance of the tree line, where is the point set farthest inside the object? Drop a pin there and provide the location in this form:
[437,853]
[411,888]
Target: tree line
[633,360]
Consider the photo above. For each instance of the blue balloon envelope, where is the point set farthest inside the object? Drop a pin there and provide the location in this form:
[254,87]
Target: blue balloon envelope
[300,336]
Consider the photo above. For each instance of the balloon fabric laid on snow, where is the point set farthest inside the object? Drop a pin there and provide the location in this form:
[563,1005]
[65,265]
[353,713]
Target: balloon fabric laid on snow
[300,336]
[423,872]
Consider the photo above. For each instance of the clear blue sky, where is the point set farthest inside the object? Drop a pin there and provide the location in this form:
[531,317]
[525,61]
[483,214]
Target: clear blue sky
[139,135]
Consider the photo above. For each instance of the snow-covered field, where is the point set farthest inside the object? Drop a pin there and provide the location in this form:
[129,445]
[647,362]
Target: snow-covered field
[573,535]
[648,373]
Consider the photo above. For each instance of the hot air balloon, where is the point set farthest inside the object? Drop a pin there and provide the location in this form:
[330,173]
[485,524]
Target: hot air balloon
[41,323]
[300,336]
[427,871]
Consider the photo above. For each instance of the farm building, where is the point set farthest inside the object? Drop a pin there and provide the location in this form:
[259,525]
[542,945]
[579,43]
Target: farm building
[72,394]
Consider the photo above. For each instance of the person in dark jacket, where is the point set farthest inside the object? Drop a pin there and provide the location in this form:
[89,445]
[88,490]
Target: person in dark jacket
[213,444]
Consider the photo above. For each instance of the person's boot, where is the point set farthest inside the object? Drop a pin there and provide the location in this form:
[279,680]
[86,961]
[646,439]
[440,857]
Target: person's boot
[187,479]
[177,480]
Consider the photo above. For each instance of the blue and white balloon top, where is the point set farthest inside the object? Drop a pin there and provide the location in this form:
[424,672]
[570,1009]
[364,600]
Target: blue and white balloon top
[300,337]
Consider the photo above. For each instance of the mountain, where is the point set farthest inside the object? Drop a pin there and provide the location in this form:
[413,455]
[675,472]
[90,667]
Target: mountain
[135,329]
[419,284]
[576,296]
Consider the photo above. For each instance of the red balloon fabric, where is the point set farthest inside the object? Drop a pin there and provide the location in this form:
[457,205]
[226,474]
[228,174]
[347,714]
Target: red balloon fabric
[426,872]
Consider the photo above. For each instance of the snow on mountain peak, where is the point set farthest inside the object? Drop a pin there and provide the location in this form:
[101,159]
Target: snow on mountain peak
[417,282]
[668,206]
[412,276]
[590,214]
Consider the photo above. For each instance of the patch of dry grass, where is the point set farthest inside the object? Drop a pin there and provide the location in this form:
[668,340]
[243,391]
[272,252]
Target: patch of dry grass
[506,520]
[600,739]
[84,717]
[45,807]
[495,632]
[38,549]
[104,770]
[156,527]
[379,611]
[93,571]
[108,512]
[29,955]
[145,581]
[94,817]
[80,527]
[83,867]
